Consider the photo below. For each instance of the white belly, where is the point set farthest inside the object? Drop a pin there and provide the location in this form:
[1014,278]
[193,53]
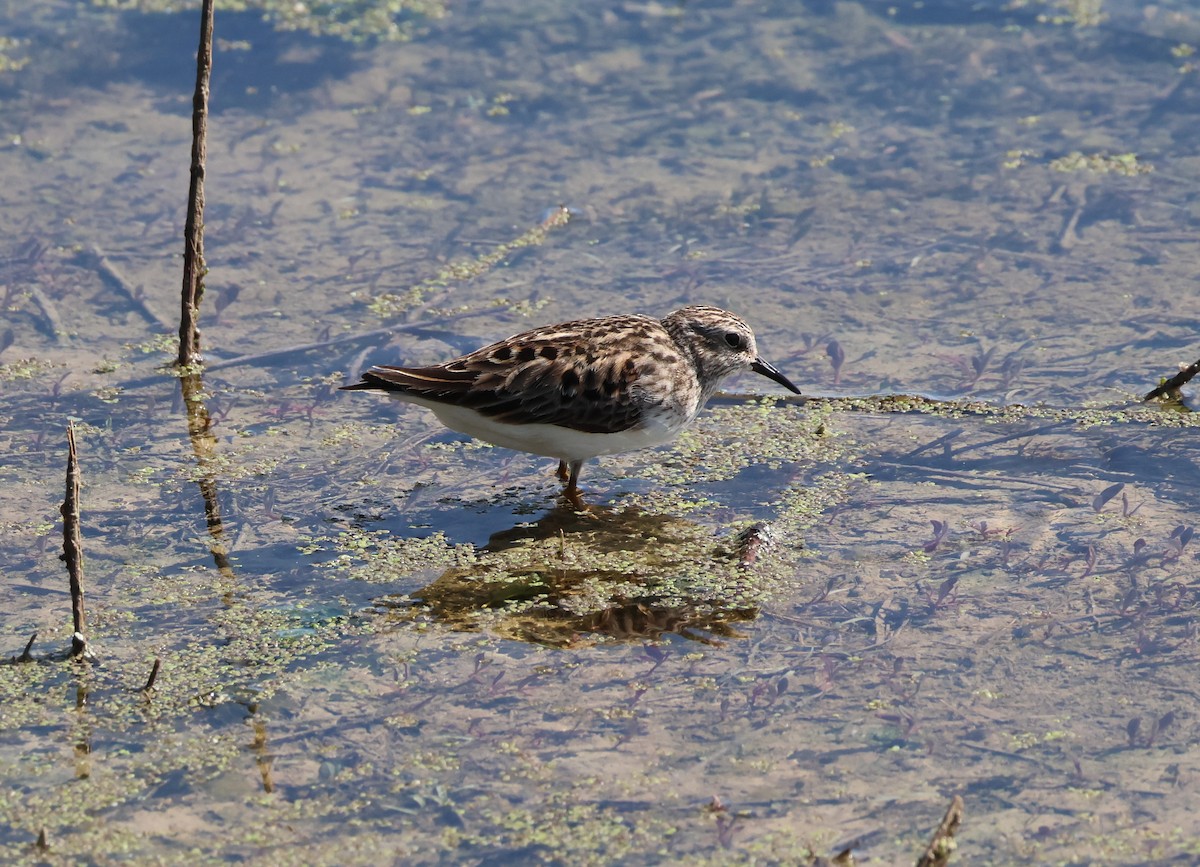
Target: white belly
[548,439]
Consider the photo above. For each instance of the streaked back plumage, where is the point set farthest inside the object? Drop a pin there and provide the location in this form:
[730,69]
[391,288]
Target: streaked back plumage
[606,385]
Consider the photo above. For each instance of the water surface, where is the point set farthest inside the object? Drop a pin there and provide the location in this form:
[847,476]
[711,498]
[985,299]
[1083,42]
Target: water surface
[989,204]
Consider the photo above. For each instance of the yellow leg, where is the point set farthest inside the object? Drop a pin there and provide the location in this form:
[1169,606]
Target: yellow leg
[571,491]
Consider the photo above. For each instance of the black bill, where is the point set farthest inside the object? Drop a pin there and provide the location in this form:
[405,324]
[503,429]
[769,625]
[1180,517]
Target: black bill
[770,371]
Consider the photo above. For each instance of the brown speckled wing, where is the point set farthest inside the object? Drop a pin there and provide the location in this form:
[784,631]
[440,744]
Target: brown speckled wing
[579,375]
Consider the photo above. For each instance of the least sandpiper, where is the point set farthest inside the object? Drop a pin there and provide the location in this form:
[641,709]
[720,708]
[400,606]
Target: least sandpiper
[585,388]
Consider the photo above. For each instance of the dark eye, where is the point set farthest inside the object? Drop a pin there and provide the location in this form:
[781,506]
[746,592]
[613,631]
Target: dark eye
[733,339]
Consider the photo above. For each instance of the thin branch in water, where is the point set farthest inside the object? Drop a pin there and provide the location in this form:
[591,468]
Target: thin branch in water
[1170,388]
[153,675]
[73,545]
[26,656]
[193,234]
[943,844]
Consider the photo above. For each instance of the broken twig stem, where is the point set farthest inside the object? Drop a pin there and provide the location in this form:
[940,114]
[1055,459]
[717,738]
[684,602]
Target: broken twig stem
[193,232]
[26,656]
[1171,387]
[73,544]
[153,675]
[943,844]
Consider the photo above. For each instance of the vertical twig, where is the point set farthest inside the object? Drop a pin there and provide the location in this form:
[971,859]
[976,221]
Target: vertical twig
[73,544]
[199,422]
[193,233]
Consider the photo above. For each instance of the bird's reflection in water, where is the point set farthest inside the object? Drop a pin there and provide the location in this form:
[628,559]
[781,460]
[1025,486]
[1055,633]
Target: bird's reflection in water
[573,578]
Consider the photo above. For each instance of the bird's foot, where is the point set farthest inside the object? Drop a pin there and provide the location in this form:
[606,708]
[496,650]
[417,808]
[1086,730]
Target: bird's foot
[569,473]
[574,498]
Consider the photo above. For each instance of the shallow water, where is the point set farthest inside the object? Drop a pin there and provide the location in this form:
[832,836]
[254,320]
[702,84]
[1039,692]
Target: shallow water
[992,596]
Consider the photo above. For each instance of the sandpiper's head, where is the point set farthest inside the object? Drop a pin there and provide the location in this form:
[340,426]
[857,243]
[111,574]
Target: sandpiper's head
[721,343]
